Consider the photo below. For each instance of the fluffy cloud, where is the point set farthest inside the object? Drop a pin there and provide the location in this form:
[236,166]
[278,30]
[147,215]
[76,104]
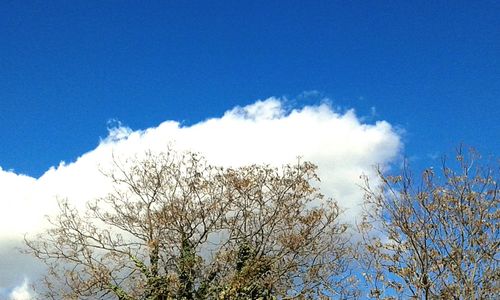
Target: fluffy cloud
[265,132]
[22,292]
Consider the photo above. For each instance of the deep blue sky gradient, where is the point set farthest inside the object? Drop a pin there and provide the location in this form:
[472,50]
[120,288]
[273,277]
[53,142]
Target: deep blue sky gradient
[67,67]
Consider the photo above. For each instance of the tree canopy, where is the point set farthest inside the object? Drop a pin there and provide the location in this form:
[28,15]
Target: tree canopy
[175,227]
[437,238]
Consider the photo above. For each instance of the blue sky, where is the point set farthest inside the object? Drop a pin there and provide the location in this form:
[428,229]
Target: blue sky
[430,70]
[67,67]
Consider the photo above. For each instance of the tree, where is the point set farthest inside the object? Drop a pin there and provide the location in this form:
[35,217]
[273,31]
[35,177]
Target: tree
[175,227]
[435,240]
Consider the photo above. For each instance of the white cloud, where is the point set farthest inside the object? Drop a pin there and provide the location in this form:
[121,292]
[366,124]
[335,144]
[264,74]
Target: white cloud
[22,292]
[265,132]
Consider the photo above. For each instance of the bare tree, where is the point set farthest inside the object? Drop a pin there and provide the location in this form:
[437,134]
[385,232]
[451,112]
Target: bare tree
[437,239]
[175,227]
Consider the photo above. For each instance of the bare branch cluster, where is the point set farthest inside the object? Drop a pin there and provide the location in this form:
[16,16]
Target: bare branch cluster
[176,227]
[435,240]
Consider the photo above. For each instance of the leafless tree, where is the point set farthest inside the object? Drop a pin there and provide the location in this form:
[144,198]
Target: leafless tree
[437,239]
[175,227]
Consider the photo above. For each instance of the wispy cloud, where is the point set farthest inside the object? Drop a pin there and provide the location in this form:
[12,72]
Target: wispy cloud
[265,132]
